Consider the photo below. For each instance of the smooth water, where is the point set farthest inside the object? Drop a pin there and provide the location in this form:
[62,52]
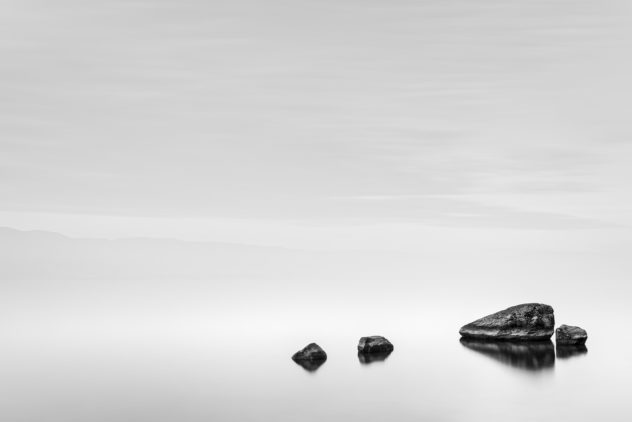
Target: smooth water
[108,360]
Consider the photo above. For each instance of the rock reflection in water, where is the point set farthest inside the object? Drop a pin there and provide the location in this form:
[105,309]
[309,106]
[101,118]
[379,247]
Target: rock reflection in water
[310,365]
[531,356]
[568,351]
[366,358]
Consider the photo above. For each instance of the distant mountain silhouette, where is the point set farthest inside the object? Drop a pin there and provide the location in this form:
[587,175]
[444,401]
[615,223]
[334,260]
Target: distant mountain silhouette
[42,255]
[47,255]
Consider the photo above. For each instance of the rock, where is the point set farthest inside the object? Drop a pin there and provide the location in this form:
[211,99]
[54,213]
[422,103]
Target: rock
[565,351]
[566,334]
[374,344]
[531,355]
[529,321]
[312,352]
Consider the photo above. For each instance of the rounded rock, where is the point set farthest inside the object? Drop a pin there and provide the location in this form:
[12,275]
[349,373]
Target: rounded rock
[567,334]
[374,344]
[311,352]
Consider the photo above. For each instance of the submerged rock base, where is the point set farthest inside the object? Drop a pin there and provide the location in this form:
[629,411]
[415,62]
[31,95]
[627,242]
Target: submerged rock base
[532,355]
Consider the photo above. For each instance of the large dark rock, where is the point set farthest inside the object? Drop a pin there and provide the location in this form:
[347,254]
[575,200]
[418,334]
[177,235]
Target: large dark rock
[531,355]
[374,344]
[530,321]
[311,353]
[566,334]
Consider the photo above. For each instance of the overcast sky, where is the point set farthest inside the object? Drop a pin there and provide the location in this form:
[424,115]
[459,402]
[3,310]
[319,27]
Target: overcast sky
[181,117]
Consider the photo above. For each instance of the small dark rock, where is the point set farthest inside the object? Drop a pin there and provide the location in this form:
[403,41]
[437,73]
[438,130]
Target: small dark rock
[566,334]
[374,344]
[311,352]
[529,321]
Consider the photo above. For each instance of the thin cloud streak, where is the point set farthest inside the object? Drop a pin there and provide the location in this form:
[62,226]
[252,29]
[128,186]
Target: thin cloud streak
[267,110]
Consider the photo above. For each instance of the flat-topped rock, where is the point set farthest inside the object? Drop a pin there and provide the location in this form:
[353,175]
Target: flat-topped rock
[567,334]
[374,344]
[312,352]
[529,321]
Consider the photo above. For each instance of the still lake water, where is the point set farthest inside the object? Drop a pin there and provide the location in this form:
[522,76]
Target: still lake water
[102,363]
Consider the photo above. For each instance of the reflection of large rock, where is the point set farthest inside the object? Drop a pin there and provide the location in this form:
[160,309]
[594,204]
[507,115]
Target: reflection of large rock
[374,344]
[311,353]
[566,334]
[530,321]
[533,356]
[565,351]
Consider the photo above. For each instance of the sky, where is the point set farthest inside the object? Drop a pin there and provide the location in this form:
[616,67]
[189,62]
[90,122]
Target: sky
[299,122]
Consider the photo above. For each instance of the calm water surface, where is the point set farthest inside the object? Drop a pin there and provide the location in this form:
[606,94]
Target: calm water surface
[181,367]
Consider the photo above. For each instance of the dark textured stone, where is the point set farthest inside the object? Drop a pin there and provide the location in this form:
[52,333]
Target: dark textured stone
[531,355]
[530,321]
[311,352]
[565,351]
[566,334]
[374,344]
